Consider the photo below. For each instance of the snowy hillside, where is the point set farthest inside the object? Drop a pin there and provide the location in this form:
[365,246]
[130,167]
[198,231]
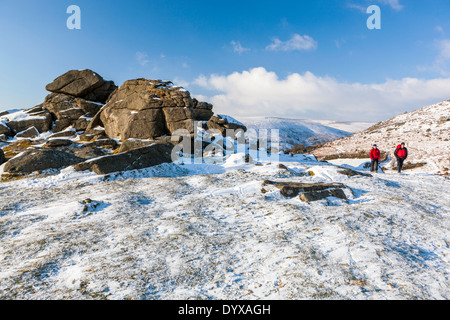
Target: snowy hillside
[426,133]
[213,232]
[307,132]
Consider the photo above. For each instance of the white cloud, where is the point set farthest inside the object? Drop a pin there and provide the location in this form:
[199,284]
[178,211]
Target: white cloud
[238,48]
[142,58]
[439,29]
[441,63]
[297,42]
[362,5]
[444,49]
[394,4]
[258,92]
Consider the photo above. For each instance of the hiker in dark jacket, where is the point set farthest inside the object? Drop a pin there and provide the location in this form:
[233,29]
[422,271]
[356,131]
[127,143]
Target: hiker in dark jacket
[375,157]
[401,154]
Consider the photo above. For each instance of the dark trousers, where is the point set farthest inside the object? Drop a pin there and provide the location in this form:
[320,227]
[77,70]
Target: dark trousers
[374,165]
[400,164]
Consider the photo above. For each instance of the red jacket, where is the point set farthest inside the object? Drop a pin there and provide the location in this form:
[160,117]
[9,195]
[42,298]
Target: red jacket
[375,154]
[401,153]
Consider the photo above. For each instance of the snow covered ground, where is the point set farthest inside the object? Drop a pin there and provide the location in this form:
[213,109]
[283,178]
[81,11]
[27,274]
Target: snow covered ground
[208,232]
[425,131]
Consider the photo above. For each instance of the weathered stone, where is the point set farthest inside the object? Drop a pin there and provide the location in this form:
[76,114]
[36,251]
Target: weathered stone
[81,124]
[87,152]
[202,114]
[29,133]
[308,191]
[70,114]
[95,122]
[103,143]
[135,159]
[55,143]
[102,93]
[60,125]
[42,121]
[2,157]
[125,124]
[4,129]
[64,106]
[41,159]
[217,122]
[78,83]
[62,134]
[320,195]
[351,173]
[131,144]
[146,109]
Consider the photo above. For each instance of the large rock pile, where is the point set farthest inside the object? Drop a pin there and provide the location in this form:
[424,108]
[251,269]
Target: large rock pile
[146,109]
[85,117]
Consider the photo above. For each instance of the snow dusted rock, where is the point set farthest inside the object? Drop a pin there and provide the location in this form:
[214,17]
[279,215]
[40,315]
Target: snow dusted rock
[41,159]
[135,159]
[320,195]
[222,123]
[69,110]
[29,133]
[56,143]
[83,84]
[66,134]
[351,173]
[36,117]
[202,111]
[309,192]
[59,103]
[131,144]
[4,129]
[106,143]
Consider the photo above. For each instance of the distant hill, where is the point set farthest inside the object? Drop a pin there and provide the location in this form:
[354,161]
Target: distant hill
[426,133]
[307,132]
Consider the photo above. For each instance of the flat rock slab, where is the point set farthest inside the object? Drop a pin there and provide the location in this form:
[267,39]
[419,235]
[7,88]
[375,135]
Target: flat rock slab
[352,173]
[56,143]
[132,160]
[41,159]
[309,191]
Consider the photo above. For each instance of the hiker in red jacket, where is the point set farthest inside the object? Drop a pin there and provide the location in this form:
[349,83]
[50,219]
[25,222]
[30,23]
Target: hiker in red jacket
[401,154]
[375,157]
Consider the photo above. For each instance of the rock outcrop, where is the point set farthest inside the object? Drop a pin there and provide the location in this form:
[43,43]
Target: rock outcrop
[84,117]
[146,109]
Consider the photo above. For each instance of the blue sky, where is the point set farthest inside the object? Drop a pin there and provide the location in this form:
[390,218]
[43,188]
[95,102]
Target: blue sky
[298,59]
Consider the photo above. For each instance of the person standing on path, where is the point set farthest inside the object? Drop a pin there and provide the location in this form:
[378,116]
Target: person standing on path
[375,157]
[401,154]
